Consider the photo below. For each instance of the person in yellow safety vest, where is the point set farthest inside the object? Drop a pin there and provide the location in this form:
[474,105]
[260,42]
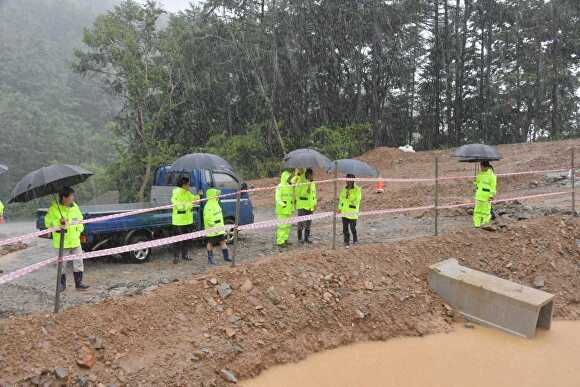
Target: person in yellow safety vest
[284,208]
[213,217]
[1,212]
[349,205]
[297,179]
[306,202]
[63,213]
[182,216]
[485,190]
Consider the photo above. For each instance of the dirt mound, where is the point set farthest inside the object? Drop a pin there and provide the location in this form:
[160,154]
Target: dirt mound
[234,323]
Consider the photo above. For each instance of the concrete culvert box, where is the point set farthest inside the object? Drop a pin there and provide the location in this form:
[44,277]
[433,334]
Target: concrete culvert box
[491,300]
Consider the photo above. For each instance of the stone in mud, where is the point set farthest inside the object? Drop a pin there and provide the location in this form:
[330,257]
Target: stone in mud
[273,295]
[224,290]
[539,281]
[61,373]
[228,375]
[369,285]
[86,358]
[213,281]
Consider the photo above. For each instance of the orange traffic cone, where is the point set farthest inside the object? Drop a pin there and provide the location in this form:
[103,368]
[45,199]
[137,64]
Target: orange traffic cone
[380,187]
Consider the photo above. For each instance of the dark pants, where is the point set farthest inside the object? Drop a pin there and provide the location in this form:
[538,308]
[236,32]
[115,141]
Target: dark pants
[346,224]
[181,248]
[304,227]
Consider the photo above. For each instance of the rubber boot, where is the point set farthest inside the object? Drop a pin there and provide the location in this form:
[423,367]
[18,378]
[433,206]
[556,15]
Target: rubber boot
[79,281]
[226,254]
[307,236]
[210,258]
[62,282]
[299,235]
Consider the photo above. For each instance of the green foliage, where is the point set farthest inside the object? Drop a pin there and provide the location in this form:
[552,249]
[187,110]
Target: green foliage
[248,153]
[342,142]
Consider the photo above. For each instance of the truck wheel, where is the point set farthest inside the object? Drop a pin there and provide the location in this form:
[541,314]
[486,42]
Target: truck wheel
[230,233]
[138,256]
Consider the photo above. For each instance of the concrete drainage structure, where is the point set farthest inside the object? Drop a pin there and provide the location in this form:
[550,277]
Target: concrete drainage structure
[490,300]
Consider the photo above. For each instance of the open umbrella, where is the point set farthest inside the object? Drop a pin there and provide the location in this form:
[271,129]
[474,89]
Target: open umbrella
[355,167]
[476,153]
[47,181]
[307,158]
[3,168]
[194,161]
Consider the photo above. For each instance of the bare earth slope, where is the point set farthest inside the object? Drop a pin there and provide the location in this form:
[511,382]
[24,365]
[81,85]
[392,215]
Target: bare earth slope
[280,309]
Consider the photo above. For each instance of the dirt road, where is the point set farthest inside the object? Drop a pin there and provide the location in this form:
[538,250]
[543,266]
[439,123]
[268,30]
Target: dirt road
[114,276]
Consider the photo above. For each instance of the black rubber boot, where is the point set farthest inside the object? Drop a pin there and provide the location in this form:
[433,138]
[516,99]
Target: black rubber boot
[62,282]
[79,281]
[226,254]
[299,235]
[307,236]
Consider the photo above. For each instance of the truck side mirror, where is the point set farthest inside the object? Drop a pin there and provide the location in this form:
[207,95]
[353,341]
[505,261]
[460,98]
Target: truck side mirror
[243,186]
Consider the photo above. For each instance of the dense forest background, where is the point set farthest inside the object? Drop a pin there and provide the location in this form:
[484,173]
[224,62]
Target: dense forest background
[252,79]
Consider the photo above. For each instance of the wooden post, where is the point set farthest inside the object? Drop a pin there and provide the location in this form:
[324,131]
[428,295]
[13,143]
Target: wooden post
[59,270]
[234,248]
[436,231]
[573,177]
[334,204]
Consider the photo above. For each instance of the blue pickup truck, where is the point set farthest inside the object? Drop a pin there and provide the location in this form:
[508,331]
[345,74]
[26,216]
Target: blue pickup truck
[157,224]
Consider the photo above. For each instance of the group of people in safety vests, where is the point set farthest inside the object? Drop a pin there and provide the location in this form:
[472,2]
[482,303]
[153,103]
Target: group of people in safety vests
[184,201]
[296,195]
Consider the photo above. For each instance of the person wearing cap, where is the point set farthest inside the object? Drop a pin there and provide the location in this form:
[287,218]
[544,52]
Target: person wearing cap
[485,191]
[284,208]
[182,216]
[213,218]
[349,206]
[64,213]
[306,201]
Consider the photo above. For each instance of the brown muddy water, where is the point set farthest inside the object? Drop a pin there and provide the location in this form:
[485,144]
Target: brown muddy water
[478,357]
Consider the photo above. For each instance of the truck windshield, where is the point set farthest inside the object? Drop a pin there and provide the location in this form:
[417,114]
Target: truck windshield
[224,181]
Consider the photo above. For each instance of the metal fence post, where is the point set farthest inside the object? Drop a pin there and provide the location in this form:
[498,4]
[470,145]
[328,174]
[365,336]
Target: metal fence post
[59,271]
[573,178]
[436,196]
[234,248]
[334,205]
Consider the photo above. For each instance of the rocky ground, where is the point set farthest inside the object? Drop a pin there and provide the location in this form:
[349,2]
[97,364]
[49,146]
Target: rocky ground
[232,323]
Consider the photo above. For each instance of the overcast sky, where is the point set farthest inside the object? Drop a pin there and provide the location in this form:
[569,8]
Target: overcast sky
[175,5]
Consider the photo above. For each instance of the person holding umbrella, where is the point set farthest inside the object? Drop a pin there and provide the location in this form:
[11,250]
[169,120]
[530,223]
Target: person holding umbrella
[349,205]
[485,190]
[213,218]
[182,216]
[64,213]
[284,208]
[306,201]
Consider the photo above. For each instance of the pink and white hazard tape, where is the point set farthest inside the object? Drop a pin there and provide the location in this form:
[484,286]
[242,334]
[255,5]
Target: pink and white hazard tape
[157,243]
[48,231]
[254,226]
[25,237]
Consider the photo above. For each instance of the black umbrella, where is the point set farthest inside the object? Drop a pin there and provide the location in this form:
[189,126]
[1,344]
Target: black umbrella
[355,167]
[193,161]
[307,158]
[48,180]
[476,153]
[3,168]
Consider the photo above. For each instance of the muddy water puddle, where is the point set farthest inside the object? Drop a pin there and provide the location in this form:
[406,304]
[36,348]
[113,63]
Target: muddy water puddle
[478,357]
